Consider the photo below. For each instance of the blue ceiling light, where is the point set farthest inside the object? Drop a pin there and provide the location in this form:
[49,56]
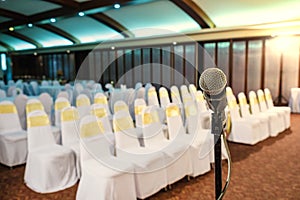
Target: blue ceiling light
[29,25]
[52,20]
[117,6]
[81,14]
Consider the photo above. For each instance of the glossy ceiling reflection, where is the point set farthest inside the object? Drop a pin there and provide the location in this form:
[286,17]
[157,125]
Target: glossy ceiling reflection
[41,24]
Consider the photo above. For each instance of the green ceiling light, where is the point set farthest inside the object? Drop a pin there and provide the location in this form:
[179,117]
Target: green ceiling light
[117,6]
[81,14]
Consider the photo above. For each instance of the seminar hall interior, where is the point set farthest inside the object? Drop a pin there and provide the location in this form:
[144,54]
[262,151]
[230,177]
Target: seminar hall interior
[102,99]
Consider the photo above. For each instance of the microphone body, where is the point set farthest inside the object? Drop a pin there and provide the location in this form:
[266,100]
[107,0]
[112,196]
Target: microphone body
[213,82]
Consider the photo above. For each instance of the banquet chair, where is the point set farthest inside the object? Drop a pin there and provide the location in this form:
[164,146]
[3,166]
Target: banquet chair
[70,133]
[149,165]
[242,130]
[203,142]
[285,109]
[176,98]
[44,83]
[99,111]
[177,156]
[104,176]
[163,97]
[47,102]
[35,87]
[59,104]
[274,125]
[20,102]
[35,104]
[193,90]
[55,83]
[83,104]
[153,101]
[50,167]
[204,111]
[139,106]
[88,93]
[265,124]
[13,139]
[2,93]
[264,108]
[100,98]
[294,101]
[64,94]
[119,106]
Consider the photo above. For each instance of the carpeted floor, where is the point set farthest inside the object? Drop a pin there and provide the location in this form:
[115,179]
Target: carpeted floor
[268,170]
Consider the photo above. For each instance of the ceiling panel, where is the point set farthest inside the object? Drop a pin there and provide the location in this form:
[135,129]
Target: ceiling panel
[46,38]
[155,15]
[87,29]
[17,44]
[2,49]
[27,7]
[249,12]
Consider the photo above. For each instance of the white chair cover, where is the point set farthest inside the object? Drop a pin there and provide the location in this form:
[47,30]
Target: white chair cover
[2,93]
[243,130]
[149,165]
[274,127]
[20,102]
[59,104]
[119,106]
[63,94]
[104,176]
[164,97]
[47,102]
[50,167]
[70,133]
[245,114]
[100,98]
[177,156]
[83,104]
[13,139]
[283,109]
[204,112]
[203,143]
[264,108]
[153,101]
[99,111]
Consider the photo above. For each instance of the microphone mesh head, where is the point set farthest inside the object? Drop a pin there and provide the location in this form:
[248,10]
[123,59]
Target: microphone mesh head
[212,81]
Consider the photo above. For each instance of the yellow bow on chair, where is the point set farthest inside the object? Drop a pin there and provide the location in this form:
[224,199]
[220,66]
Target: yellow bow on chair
[99,112]
[36,121]
[69,115]
[91,129]
[7,109]
[61,105]
[100,100]
[122,124]
[172,111]
[34,106]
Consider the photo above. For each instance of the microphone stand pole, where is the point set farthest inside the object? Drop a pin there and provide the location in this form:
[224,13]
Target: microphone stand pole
[217,131]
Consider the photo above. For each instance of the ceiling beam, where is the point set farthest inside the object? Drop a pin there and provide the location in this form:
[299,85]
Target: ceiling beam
[65,3]
[193,10]
[11,14]
[113,24]
[8,47]
[25,38]
[60,32]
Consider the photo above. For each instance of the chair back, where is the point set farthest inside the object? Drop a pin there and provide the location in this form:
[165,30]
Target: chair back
[69,126]
[269,99]
[233,108]
[139,106]
[9,119]
[262,100]
[33,105]
[100,98]
[174,121]
[254,106]
[164,97]
[83,104]
[119,106]
[99,111]
[152,97]
[39,130]
[175,95]
[20,102]
[60,103]
[244,106]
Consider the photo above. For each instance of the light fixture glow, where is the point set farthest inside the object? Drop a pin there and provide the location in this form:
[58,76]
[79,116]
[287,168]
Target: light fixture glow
[112,48]
[81,14]
[3,61]
[68,51]
[174,43]
[29,25]
[117,6]
[35,53]
[11,29]
[52,20]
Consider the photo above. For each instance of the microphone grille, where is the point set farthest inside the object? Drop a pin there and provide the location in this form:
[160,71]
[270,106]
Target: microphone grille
[212,81]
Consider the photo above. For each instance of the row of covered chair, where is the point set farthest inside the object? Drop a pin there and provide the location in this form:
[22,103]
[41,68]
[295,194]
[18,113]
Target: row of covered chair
[258,120]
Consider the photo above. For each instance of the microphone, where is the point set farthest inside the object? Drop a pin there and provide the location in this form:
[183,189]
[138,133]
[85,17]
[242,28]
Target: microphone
[213,82]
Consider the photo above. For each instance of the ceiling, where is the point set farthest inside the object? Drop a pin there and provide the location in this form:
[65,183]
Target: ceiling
[41,24]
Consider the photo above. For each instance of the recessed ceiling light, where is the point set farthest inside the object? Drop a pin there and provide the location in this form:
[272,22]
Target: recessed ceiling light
[35,53]
[116,6]
[52,20]
[81,14]
[174,43]
[68,51]
[112,48]
[29,25]
[11,28]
